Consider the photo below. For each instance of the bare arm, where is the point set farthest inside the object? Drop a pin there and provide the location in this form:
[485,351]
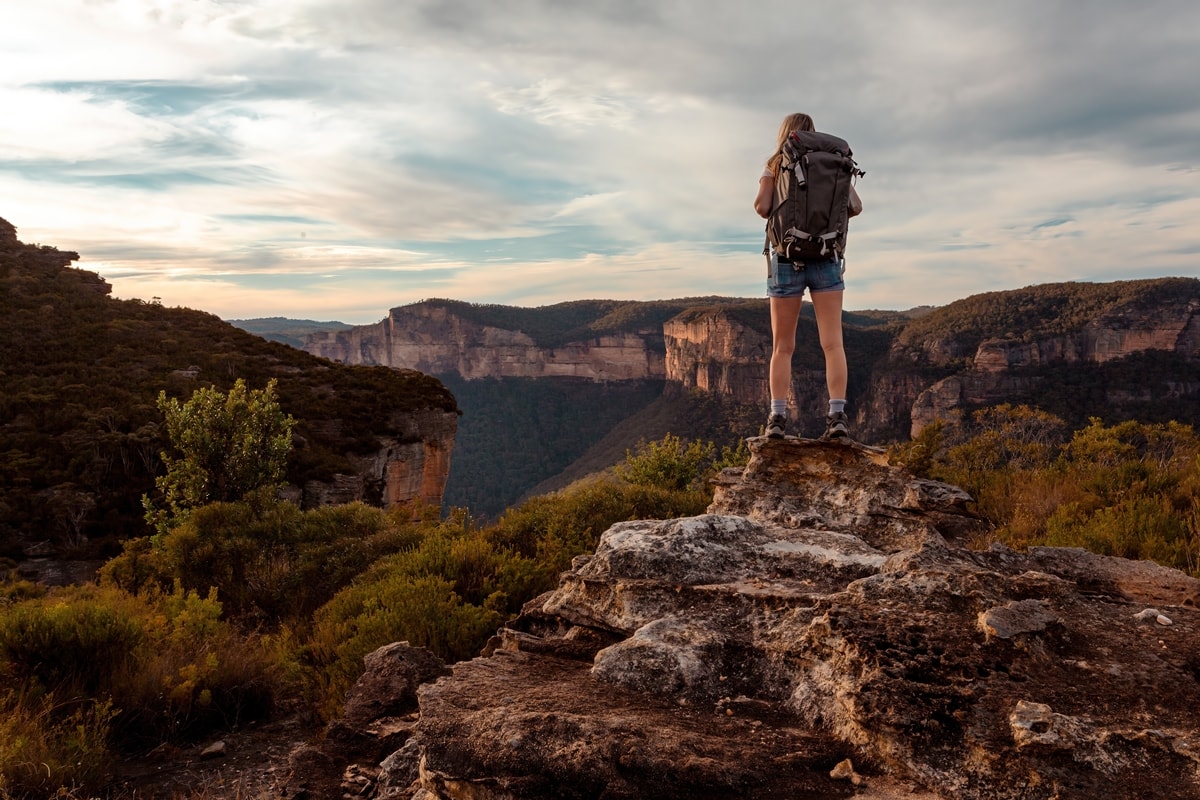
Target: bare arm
[855,203]
[766,196]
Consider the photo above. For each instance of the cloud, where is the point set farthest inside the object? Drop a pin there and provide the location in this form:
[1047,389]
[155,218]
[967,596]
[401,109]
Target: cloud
[530,151]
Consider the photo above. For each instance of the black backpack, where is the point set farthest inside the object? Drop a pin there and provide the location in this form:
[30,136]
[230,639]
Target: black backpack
[812,194]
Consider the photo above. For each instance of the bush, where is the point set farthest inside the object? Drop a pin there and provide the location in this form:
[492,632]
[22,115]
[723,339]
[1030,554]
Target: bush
[166,663]
[1130,489]
[228,446]
[555,528]
[448,594]
[676,464]
[386,607]
[269,561]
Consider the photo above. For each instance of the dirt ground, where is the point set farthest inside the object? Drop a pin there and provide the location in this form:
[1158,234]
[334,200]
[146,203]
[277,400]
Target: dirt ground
[253,767]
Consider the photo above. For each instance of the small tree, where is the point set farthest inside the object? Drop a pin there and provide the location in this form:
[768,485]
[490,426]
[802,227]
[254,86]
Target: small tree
[671,463]
[228,447]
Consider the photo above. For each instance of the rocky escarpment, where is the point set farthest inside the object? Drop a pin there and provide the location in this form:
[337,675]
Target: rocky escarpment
[1065,326]
[436,340]
[409,470]
[716,351]
[822,632]
[906,370]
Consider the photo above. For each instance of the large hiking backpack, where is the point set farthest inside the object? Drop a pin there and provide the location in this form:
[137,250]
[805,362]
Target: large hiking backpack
[812,197]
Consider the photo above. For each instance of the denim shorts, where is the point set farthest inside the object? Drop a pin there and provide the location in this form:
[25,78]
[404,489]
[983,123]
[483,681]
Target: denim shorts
[785,279]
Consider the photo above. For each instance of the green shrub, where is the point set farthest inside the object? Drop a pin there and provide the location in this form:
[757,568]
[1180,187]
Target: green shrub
[228,446]
[555,528]
[677,464]
[1130,489]
[269,561]
[390,606]
[69,643]
[671,463]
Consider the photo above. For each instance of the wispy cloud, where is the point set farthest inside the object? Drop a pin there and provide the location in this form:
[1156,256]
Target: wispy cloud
[327,159]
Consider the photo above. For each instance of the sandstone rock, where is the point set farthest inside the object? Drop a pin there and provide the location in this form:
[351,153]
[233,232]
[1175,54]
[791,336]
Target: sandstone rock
[369,729]
[827,601]
[215,750]
[435,340]
[409,470]
[388,685]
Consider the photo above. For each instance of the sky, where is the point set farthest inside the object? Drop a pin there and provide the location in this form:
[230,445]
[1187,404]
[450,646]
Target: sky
[333,159]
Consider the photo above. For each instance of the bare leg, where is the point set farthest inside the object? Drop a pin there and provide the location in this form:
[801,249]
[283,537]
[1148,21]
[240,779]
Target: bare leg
[785,312]
[828,308]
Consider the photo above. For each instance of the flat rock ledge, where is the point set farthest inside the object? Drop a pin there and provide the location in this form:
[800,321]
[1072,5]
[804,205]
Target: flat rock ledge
[823,632]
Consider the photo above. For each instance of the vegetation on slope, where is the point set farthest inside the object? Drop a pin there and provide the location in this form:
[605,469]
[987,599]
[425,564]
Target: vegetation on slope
[245,605]
[1129,489]
[80,434]
[515,433]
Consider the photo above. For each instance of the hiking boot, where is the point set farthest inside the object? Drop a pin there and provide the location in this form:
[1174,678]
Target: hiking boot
[836,426]
[776,424]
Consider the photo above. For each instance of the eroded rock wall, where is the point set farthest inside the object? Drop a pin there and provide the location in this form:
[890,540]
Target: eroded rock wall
[434,340]
[409,470]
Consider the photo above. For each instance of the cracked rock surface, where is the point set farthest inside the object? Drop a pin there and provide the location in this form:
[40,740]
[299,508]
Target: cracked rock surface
[826,608]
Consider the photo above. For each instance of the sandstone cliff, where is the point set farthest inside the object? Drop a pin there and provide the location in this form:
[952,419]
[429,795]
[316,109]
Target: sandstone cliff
[992,363]
[409,470]
[822,632]
[434,339]
[986,349]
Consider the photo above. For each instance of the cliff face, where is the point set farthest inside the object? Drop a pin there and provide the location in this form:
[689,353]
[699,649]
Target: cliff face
[716,353]
[910,388]
[409,470]
[822,632]
[435,340]
[979,351]
[1000,368]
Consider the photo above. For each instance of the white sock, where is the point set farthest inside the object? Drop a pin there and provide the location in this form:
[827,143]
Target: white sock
[837,405]
[779,407]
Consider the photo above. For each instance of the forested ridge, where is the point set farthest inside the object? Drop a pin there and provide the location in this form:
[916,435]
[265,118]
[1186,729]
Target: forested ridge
[80,372]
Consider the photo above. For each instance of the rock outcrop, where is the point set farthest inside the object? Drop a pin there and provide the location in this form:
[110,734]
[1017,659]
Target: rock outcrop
[717,353]
[1138,317]
[433,339]
[822,632]
[409,470]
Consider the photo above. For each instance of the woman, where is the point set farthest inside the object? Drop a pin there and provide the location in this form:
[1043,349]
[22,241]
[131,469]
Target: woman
[786,282]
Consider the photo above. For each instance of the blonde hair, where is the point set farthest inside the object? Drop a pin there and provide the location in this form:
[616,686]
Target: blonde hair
[792,122]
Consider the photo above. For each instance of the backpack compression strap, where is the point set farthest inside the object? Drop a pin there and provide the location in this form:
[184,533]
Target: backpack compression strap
[824,238]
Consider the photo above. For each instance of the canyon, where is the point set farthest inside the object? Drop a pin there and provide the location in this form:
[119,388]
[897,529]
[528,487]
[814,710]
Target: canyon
[907,372]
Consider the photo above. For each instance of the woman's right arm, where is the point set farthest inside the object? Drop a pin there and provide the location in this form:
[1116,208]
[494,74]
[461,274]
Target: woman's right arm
[766,196]
[855,203]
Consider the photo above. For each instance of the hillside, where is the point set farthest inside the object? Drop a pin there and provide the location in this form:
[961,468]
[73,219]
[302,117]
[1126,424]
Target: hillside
[79,376]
